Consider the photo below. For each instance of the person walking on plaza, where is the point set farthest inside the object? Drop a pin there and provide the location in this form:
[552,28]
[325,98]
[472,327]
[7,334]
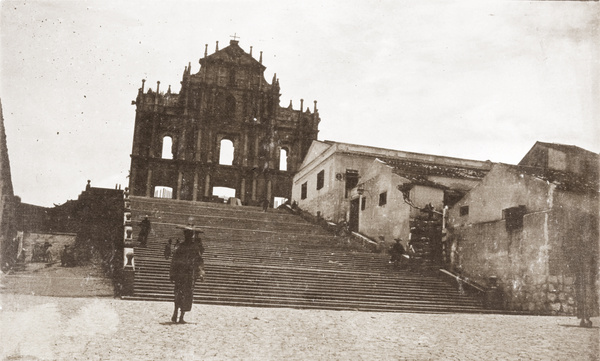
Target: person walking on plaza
[168,249]
[186,267]
[145,227]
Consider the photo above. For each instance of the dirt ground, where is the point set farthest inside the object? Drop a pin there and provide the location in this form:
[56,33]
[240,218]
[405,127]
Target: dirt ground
[37,324]
[53,280]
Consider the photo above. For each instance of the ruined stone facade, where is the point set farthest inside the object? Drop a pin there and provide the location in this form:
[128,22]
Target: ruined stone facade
[228,102]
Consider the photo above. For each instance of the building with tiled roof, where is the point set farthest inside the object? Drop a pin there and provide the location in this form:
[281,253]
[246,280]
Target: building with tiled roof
[563,157]
[535,231]
[360,184]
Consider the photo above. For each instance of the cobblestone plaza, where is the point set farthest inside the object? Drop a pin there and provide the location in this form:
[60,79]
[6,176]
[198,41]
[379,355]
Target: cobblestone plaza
[61,328]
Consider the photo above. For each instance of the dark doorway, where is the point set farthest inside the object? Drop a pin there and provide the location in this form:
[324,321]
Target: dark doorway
[351,181]
[353,222]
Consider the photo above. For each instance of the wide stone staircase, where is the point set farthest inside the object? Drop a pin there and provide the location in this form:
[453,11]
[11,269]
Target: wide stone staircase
[277,259]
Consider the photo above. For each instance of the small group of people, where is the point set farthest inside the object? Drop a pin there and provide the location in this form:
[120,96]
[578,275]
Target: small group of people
[187,266]
[397,253]
[343,229]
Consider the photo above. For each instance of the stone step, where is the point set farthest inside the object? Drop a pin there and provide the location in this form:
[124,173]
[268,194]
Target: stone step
[329,262]
[326,283]
[282,302]
[331,293]
[388,276]
[152,206]
[305,279]
[276,259]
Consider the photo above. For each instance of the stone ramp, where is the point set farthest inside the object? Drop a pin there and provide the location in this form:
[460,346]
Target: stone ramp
[276,259]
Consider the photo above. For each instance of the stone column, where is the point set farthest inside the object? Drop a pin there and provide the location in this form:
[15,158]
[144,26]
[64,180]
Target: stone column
[199,146]
[133,179]
[272,156]
[149,184]
[195,193]
[179,182]
[254,187]
[245,155]
[136,132]
[152,152]
[256,143]
[210,147]
[243,190]
[269,186]
[207,185]
[181,146]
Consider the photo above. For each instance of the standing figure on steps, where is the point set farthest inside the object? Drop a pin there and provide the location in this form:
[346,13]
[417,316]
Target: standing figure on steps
[186,268]
[144,231]
[168,249]
[265,204]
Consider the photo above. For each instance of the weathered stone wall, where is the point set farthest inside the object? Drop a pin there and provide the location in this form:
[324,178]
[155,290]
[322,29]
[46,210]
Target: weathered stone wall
[501,189]
[574,231]
[540,267]
[387,221]
[330,200]
[518,259]
[325,201]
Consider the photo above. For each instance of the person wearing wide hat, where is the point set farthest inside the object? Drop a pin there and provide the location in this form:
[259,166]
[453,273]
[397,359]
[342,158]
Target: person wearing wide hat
[186,267]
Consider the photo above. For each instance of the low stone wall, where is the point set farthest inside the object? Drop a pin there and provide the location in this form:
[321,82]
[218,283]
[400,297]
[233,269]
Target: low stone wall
[548,295]
[520,261]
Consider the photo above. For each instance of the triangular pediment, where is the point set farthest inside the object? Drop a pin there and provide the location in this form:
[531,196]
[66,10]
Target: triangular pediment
[316,149]
[232,54]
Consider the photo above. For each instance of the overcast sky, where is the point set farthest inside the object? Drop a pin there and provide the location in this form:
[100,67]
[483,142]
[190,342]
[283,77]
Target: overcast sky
[479,80]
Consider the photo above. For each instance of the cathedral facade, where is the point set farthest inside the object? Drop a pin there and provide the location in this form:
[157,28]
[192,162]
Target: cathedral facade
[225,128]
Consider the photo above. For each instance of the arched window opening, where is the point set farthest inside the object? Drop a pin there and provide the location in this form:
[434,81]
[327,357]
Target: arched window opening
[167,148]
[224,193]
[283,159]
[226,152]
[163,192]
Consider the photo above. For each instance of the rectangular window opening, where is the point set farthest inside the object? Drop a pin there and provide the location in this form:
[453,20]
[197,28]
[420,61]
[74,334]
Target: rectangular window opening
[382,199]
[320,179]
[514,218]
[304,190]
[464,211]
